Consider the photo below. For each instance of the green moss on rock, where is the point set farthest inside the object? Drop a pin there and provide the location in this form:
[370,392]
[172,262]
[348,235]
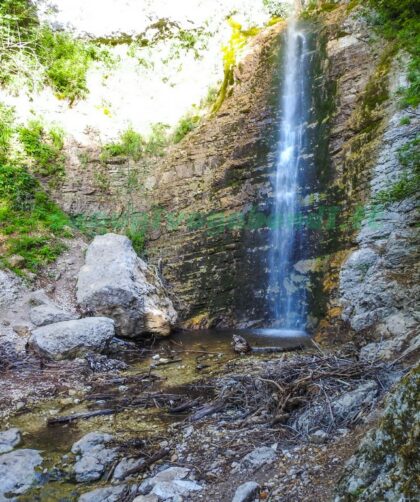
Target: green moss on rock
[387,463]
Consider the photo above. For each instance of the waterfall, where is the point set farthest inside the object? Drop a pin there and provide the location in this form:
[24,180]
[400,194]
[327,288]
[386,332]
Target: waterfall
[287,302]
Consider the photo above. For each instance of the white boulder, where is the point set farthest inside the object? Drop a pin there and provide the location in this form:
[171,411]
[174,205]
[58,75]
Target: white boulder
[72,339]
[116,283]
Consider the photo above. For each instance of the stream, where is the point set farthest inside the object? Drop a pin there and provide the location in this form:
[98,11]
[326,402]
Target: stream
[169,367]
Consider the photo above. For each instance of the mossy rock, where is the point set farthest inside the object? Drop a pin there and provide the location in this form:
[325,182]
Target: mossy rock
[387,463]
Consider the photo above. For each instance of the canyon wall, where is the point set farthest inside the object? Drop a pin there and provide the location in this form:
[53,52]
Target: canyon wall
[204,206]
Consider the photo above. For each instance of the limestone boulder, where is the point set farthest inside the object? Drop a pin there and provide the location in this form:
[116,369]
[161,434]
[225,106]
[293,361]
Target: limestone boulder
[94,455]
[72,339]
[17,472]
[116,283]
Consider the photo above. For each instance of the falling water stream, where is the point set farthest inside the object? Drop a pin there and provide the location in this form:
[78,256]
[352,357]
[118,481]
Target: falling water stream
[287,303]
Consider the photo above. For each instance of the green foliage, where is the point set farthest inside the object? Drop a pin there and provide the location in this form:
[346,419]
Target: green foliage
[185,126]
[66,61]
[400,21]
[17,187]
[409,183]
[6,131]
[277,8]
[44,147]
[30,224]
[157,140]
[131,144]
[28,49]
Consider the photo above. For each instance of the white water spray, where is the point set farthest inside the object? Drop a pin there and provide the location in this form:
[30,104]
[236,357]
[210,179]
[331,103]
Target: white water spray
[287,304]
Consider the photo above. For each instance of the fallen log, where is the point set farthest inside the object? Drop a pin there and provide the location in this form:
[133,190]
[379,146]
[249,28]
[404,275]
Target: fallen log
[147,463]
[184,406]
[206,410]
[81,416]
[165,362]
[273,350]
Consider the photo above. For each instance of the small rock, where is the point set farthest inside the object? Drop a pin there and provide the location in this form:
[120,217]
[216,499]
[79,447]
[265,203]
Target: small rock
[246,492]
[22,329]
[240,345]
[167,475]
[39,297]
[109,494]
[146,498]
[126,464]
[319,437]
[166,490]
[100,363]
[259,457]
[16,261]
[9,439]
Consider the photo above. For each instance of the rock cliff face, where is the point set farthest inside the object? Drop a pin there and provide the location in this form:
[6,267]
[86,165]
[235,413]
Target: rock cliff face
[205,206]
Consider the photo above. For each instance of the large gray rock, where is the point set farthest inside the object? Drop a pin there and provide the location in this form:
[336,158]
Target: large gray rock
[109,494]
[381,278]
[43,315]
[116,283]
[9,439]
[386,464]
[348,405]
[94,455]
[246,492]
[17,471]
[71,339]
[398,334]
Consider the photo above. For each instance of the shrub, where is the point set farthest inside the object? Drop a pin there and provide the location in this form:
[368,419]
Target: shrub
[30,223]
[66,61]
[27,48]
[6,131]
[44,147]
[185,126]
[157,140]
[131,144]
[277,8]
[400,21]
